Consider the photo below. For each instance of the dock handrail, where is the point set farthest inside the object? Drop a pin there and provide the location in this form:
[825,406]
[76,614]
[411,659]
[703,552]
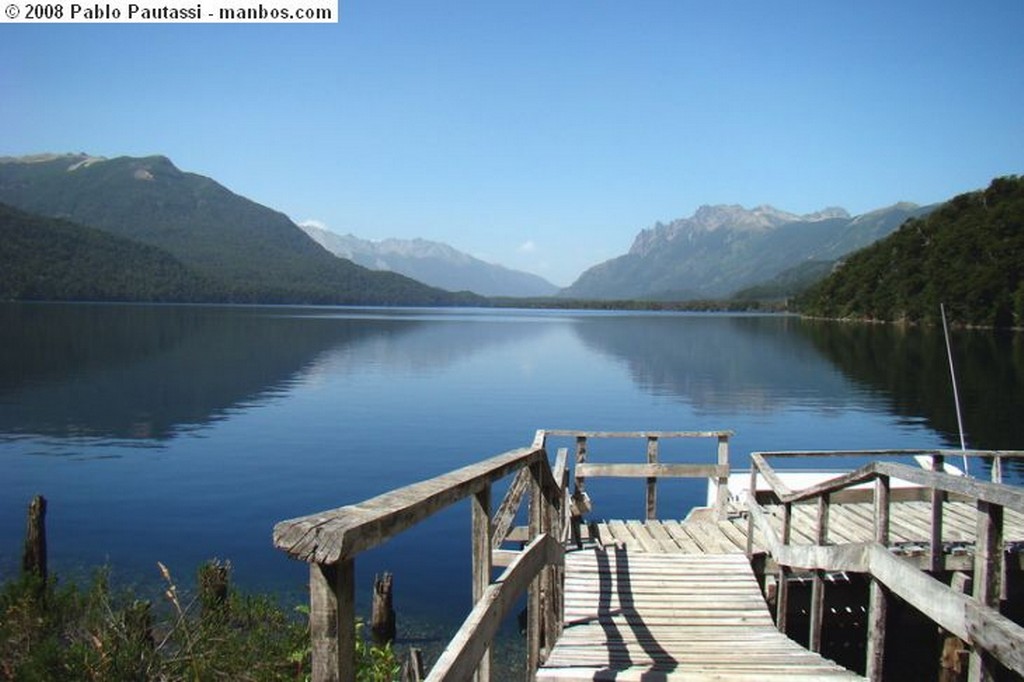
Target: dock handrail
[330,541]
[976,620]
[651,470]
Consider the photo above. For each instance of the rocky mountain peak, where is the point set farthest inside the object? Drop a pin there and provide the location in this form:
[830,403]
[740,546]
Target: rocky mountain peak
[733,217]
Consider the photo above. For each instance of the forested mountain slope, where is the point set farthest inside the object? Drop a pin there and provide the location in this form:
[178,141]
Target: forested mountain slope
[968,254]
[258,254]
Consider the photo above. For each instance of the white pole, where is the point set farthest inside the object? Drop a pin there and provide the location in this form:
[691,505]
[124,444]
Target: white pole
[952,377]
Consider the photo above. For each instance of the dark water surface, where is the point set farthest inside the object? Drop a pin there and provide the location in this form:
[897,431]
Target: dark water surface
[181,433]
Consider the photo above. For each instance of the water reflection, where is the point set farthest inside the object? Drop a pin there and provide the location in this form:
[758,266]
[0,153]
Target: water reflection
[910,368]
[90,373]
[722,363]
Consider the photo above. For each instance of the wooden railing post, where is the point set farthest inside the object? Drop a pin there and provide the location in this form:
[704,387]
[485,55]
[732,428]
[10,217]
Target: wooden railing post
[652,482]
[988,574]
[752,491]
[877,595]
[722,499]
[535,606]
[481,529]
[938,498]
[332,621]
[817,610]
[782,591]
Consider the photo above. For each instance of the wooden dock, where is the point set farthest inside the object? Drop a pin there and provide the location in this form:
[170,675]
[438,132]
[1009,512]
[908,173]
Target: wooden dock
[641,616]
[677,598]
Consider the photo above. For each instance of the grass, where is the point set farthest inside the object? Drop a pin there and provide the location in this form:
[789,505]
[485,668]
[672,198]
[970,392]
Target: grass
[54,631]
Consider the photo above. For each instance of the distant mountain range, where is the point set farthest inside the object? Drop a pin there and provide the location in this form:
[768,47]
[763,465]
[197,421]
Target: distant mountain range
[249,253]
[722,249]
[159,233]
[432,263]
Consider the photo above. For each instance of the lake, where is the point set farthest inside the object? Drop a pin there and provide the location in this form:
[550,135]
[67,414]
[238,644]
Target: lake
[182,433]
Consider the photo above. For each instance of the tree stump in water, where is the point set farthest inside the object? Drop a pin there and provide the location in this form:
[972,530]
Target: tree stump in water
[382,619]
[33,559]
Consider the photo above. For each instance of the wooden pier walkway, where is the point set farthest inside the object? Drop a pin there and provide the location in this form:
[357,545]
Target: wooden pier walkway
[676,598]
[639,616]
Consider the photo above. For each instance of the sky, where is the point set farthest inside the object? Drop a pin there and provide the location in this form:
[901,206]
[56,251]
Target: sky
[542,135]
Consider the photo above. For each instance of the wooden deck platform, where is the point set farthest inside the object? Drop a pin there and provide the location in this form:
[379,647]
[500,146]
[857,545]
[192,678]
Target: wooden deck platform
[631,615]
[851,522]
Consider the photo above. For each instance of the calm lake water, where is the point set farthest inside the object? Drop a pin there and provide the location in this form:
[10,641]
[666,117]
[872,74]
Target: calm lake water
[182,433]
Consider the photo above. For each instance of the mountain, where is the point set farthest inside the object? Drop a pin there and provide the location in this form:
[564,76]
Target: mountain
[52,259]
[722,249]
[968,254]
[432,263]
[253,253]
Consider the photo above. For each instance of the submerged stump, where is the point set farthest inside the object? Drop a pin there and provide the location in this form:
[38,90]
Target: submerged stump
[33,558]
[382,619]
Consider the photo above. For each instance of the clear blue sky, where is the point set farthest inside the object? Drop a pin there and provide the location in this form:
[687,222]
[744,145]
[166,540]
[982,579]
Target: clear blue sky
[542,135]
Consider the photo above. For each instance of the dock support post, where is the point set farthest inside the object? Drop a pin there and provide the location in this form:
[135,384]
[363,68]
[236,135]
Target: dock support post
[818,584]
[938,498]
[722,498]
[652,482]
[878,596]
[481,523]
[988,573]
[332,621]
[782,591]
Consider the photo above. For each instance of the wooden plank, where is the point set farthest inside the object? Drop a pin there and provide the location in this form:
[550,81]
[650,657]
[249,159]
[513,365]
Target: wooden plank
[672,617]
[666,542]
[332,621]
[652,481]
[988,575]
[643,536]
[638,434]
[330,536]
[657,470]
[681,537]
[722,490]
[506,514]
[459,659]
[481,562]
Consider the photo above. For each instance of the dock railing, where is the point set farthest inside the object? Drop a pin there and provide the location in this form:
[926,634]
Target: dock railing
[331,540]
[974,619]
[651,470]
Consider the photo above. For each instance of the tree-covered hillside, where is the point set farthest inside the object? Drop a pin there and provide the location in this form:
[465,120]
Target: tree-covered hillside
[258,254]
[50,259]
[968,254]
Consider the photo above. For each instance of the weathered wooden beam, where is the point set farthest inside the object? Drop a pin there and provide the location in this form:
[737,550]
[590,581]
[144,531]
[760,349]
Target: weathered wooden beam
[332,621]
[878,598]
[817,608]
[722,497]
[651,471]
[330,536]
[506,514]
[652,481]
[459,659]
[938,499]
[993,493]
[988,574]
[481,568]
[637,434]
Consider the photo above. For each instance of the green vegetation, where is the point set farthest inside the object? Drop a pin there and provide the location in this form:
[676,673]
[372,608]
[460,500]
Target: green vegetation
[49,259]
[243,252]
[50,631]
[968,254]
